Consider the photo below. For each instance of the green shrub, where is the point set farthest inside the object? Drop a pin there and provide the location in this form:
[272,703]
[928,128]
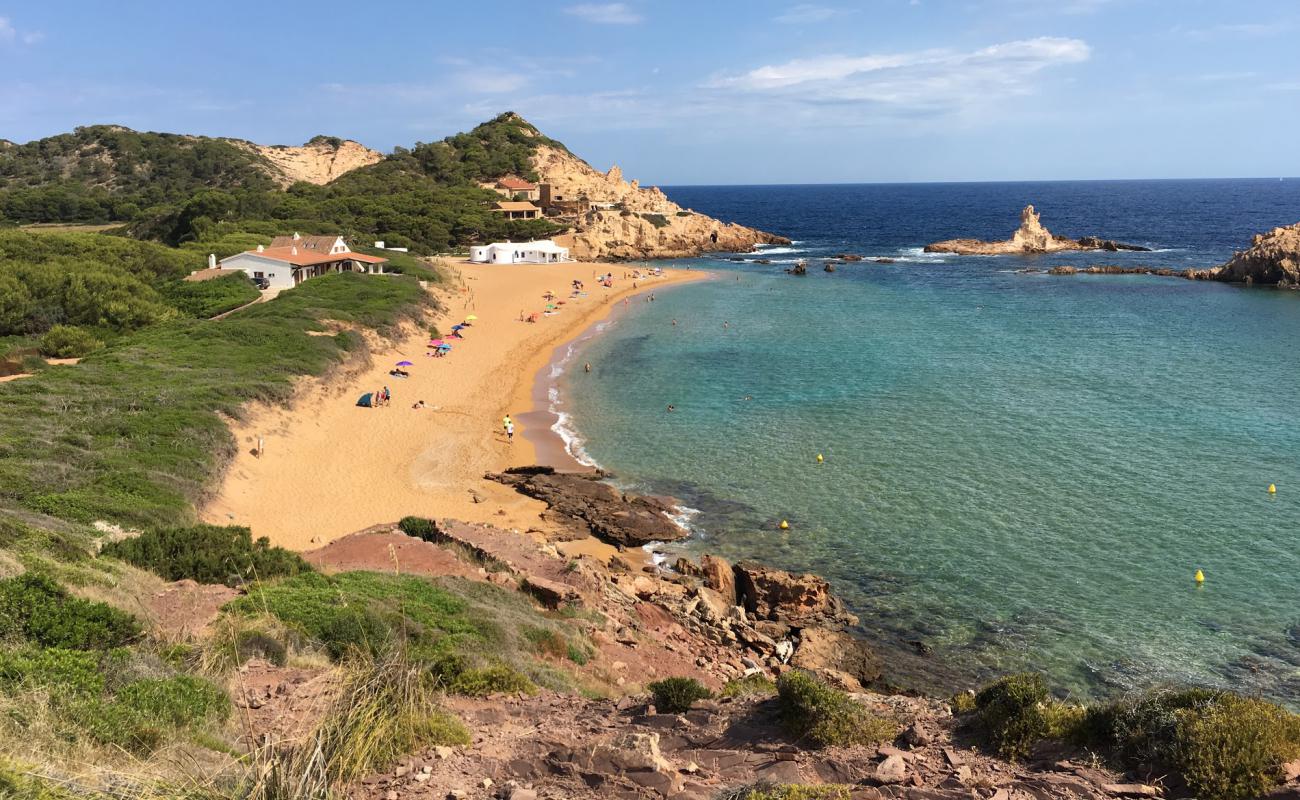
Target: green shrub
[765,790]
[18,783]
[827,716]
[355,629]
[67,341]
[207,554]
[1234,749]
[455,675]
[67,671]
[1143,729]
[1010,713]
[962,702]
[419,527]
[753,685]
[204,299]
[179,702]
[677,695]
[36,609]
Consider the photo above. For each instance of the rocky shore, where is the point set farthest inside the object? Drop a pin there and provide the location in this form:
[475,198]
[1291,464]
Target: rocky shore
[629,221]
[707,619]
[1030,238]
[1273,259]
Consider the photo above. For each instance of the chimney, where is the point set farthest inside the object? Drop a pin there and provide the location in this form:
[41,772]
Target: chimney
[293,251]
[260,248]
[212,260]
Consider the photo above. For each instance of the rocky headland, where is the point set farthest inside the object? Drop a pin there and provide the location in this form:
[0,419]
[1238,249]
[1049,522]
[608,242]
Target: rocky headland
[629,221]
[1029,239]
[1273,259]
[319,161]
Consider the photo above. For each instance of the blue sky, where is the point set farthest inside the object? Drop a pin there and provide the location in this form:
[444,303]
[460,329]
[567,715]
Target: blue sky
[696,92]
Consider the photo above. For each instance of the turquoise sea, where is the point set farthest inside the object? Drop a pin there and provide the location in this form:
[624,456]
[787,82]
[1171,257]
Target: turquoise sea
[1021,471]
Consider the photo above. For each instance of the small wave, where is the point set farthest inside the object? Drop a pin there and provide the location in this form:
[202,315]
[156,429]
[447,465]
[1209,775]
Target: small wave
[780,250]
[573,441]
[682,516]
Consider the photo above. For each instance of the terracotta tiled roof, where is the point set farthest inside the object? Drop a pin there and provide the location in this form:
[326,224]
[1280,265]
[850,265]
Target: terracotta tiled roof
[516,205]
[308,258]
[318,243]
[516,183]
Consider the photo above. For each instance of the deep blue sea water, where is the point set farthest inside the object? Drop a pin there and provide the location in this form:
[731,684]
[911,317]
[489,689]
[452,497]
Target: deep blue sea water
[1021,470]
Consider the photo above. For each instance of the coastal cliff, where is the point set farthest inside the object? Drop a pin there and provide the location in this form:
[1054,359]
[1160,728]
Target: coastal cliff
[628,221]
[319,161]
[1030,238]
[1273,259]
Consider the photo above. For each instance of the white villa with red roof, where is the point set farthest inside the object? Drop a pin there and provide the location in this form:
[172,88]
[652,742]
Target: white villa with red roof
[290,260]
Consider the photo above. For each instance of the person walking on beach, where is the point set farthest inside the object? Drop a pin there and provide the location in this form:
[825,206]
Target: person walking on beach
[507,424]
[510,432]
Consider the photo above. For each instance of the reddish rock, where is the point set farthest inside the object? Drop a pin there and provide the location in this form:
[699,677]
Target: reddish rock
[775,594]
[719,576]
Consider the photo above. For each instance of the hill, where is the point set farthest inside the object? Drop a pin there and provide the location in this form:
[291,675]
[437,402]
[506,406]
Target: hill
[191,189]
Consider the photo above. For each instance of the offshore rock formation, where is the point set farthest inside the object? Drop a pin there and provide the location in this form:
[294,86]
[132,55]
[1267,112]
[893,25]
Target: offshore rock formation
[1031,237]
[627,220]
[1273,259]
[319,161]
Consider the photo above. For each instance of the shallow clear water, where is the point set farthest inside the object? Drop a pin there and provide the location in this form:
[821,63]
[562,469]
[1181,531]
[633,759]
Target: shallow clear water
[1021,470]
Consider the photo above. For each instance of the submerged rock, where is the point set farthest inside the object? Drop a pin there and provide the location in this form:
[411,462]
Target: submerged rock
[1031,237]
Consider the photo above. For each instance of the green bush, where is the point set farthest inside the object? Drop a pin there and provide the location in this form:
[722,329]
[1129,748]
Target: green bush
[1010,713]
[34,608]
[753,685]
[962,702]
[765,790]
[178,702]
[67,341]
[1234,749]
[827,716]
[204,299]
[677,695]
[419,527]
[68,671]
[455,675]
[207,554]
[1226,747]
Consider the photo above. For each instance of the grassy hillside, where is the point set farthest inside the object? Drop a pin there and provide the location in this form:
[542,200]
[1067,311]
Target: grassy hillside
[182,189]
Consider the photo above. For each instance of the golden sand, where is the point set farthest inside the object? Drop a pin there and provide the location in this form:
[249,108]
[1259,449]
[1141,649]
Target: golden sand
[330,467]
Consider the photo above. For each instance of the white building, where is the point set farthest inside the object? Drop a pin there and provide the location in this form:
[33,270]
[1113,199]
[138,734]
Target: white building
[290,260]
[543,251]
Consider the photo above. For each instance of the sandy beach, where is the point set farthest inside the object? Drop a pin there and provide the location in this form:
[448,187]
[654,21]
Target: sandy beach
[331,468]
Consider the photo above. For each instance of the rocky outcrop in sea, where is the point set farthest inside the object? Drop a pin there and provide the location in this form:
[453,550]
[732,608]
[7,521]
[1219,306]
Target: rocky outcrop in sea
[1030,238]
[1273,259]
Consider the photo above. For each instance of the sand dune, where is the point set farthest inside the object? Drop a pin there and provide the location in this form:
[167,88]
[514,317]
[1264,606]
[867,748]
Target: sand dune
[331,468]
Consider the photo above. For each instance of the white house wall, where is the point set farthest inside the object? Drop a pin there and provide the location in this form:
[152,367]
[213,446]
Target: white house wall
[277,273]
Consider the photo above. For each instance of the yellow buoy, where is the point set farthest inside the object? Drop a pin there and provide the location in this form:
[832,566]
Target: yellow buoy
[785,526]
[819,458]
[1200,576]
[1272,489]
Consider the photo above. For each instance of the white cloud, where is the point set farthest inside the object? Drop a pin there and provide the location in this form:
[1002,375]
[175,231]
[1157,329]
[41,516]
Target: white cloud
[916,81]
[605,13]
[10,35]
[806,13]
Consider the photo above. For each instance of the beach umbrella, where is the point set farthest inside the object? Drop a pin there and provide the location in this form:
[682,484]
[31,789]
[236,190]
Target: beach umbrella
[405,363]
[550,305]
[457,327]
[436,342]
[471,318]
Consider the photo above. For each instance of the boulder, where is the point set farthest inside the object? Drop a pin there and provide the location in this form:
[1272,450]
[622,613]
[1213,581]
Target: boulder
[774,594]
[892,770]
[839,656]
[549,593]
[717,574]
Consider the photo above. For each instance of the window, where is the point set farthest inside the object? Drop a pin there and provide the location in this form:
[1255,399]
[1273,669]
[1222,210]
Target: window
[259,275]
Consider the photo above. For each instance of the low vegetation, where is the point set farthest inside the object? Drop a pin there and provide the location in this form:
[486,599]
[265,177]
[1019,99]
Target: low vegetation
[133,433]
[37,610]
[677,695]
[473,638]
[765,790]
[207,554]
[205,299]
[753,685]
[1223,745]
[826,716]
